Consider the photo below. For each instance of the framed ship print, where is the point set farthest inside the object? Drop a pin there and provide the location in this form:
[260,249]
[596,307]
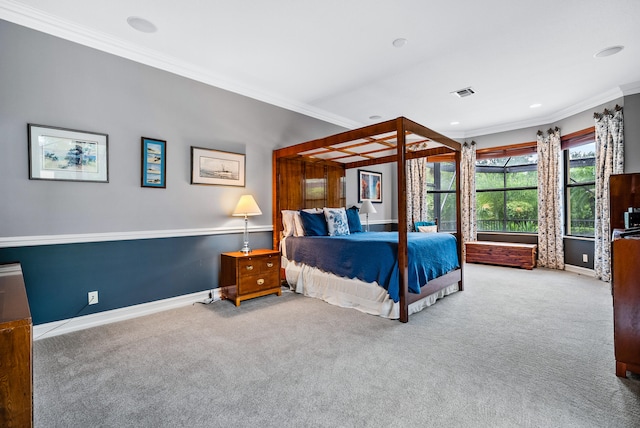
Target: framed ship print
[217,167]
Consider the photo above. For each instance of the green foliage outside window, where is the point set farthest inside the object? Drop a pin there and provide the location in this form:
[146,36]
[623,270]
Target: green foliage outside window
[506,194]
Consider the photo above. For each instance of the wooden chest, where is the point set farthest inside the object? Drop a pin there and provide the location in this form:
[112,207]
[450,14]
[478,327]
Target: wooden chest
[502,253]
[245,276]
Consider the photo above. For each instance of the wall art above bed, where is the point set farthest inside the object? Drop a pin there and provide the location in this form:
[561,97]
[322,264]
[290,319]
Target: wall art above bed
[67,154]
[369,186]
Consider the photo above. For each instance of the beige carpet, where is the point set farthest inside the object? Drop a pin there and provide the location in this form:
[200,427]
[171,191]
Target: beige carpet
[516,349]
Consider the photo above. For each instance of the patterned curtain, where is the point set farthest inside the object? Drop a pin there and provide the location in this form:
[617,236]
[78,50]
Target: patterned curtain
[609,160]
[468,193]
[550,244]
[416,191]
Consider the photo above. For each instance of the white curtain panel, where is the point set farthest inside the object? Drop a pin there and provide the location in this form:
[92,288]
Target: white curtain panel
[416,191]
[468,193]
[550,241]
[609,160]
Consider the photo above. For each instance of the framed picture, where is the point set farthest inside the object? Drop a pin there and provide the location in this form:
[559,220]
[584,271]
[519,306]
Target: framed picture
[216,167]
[369,186]
[154,163]
[67,154]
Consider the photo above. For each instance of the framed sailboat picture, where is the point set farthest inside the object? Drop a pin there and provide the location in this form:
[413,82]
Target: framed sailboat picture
[217,167]
[154,163]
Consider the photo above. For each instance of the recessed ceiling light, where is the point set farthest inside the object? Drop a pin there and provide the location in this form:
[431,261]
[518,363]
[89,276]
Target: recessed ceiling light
[398,43]
[608,51]
[375,117]
[141,24]
[536,105]
[455,123]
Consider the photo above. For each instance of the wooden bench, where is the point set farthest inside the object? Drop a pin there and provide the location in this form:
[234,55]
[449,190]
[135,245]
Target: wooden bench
[502,253]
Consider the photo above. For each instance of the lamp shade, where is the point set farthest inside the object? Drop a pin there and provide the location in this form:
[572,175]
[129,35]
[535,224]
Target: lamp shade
[367,207]
[246,206]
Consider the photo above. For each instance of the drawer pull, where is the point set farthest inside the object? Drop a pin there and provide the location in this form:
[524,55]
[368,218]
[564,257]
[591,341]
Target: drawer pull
[260,281]
[250,267]
[269,264]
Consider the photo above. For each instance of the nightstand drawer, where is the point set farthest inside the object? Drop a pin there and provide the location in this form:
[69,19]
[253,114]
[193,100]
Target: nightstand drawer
[257,265]
[253,283]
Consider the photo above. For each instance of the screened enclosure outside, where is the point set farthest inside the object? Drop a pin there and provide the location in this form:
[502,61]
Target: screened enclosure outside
[441,194]
[507,194]
[580,197]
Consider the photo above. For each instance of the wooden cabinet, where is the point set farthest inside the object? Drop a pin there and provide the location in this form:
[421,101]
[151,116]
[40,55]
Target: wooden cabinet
[16,355]
[245,276]
[626,305]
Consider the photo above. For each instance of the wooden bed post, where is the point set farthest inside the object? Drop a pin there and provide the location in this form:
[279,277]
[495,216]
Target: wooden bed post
[274,201]
[460,244]
[403,256]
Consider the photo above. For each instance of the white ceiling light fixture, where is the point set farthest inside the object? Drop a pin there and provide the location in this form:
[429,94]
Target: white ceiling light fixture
[608,51]
[398,43]
[455,122]
[375,117]
[141,24]
[536,105]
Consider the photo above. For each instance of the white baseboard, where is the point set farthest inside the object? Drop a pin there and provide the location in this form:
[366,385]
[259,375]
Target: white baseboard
[580,270]
[56,328]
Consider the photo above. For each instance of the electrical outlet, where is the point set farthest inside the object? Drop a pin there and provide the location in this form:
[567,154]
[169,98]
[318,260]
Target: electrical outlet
[93,297]
[585,258]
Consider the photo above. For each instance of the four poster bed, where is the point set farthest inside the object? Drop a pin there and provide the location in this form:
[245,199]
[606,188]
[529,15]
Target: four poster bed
[391,274]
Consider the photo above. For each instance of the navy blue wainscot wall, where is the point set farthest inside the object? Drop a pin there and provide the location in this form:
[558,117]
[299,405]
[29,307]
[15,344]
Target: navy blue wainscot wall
[125,273]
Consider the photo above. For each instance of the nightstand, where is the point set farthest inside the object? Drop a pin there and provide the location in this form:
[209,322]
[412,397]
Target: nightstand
[245,276]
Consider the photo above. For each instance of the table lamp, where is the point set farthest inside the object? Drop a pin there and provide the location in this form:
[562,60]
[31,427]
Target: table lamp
[367,208]
[246,206]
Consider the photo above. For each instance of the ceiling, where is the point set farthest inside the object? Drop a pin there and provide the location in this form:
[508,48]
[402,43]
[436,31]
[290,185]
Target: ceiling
[334,59]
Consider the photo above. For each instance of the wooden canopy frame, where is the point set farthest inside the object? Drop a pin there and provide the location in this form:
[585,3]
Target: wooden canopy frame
[396,140]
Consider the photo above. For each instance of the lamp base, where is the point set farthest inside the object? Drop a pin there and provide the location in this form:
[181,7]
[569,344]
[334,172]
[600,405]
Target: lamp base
[245,249]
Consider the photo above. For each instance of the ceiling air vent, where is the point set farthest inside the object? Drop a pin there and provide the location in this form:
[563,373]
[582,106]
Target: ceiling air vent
[463,92]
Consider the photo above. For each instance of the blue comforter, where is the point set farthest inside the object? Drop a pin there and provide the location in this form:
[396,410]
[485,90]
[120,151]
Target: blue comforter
[373,256]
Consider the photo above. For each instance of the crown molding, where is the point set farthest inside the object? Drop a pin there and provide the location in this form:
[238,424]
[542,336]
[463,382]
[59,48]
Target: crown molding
[580,107]
[33,18]
[36,19]
[630,88]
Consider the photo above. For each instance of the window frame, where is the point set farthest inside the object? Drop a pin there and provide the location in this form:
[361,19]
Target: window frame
[576,139]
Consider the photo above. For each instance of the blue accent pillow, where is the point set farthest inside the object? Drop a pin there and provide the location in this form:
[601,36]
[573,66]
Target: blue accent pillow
[314,224]
[353,218]
[336,221]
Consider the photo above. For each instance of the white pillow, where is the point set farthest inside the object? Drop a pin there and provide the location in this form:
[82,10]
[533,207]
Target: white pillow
[336,221]
[428,229]
[291,222]
[288,222]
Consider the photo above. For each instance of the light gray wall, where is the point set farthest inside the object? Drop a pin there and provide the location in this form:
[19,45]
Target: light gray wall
[632,133]
[50,81]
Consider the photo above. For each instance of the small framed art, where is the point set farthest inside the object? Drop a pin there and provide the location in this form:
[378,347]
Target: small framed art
[216,167]
[154,163]
[67,154]
[369,186]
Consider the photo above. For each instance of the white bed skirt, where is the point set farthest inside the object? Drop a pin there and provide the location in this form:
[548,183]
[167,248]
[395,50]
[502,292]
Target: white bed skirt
[367,297]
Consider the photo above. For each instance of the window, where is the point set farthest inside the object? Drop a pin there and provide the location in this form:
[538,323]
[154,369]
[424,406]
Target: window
[580,178]
[441,194]
[507,192]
